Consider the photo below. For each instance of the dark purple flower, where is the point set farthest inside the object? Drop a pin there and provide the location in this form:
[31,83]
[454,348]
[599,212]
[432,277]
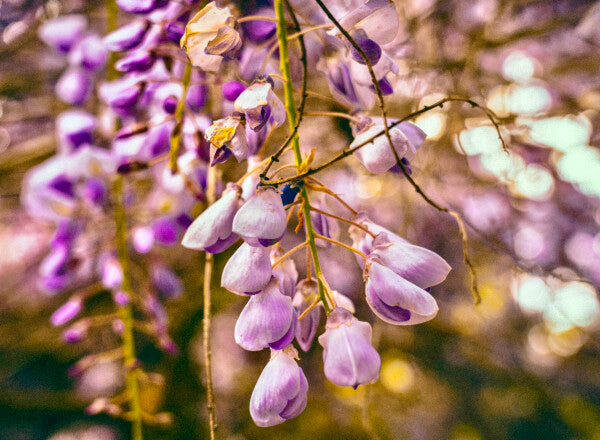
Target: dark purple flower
[170,104]
[94,191]
[260,30]
[306,294]
[126,37]
[137,61]
[248,270]
[196,96]
[369,47]
[280,392]
[165,231]
[63,185]
[349,358]
[74,128]
[232,89]
[266,319]
[174,31]
[385,86]
[120,94]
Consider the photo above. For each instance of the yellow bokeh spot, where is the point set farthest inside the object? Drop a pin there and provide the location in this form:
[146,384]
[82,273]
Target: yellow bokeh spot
[397,375]
[465,432]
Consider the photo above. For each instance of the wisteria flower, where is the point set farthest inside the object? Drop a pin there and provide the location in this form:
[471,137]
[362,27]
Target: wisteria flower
[261,105]
[285,272]
[248,270]
[395,299]
[268,319]
[227,137]
[208,35]
[280,392]
[377,156]
[212,230]
[306,294]
[262,219]
[416,264]
[348,356]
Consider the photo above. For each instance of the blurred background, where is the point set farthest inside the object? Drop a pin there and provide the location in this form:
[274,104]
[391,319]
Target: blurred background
[522,364]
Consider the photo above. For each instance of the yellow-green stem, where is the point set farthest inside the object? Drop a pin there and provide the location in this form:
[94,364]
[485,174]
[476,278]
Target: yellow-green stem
[176,133]
[132,385]
[288,88]
[126,313]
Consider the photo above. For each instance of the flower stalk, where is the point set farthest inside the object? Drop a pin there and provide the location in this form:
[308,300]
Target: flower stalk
[288,88]
[126,313]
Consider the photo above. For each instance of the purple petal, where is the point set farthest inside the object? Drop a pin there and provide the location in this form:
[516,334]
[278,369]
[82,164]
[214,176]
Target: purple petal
[214,224]
[279,392]
[348,356]
[247,271]
[232,89]
[74,86]
[261,217]
[266,318]
[416,264]
[66,312]
[126,37]
[288,337]
[138,61]
[393,290]
[61,33]
[222,245]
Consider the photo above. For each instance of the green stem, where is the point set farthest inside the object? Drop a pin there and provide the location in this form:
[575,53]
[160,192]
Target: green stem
[176,133]
[132,385]
[288,88]
[126,313]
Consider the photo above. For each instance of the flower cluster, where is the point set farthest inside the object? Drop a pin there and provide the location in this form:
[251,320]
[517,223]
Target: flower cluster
[280,308]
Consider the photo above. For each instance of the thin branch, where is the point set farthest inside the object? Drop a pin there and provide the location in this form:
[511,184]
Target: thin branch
[288,253]
[339,243]
[206,318]
[333,114]
[342,219]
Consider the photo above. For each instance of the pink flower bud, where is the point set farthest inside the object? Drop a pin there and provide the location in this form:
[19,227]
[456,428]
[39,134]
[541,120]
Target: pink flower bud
[66,312]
